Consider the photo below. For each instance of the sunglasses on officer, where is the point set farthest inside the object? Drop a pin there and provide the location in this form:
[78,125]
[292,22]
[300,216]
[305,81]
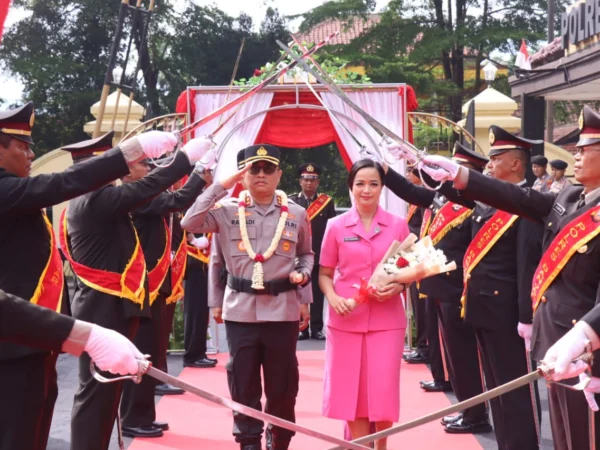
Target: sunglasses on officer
[266,167]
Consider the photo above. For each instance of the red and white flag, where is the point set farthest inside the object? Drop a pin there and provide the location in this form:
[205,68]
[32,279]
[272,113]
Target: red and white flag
[4,5]
[522,61]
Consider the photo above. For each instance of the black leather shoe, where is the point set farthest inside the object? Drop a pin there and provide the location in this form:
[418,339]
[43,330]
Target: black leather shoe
[148,431]
[302,336]
[436,386]
[250,447]
[319,336]
[216,361]
[162,425]
[451,419]
[200,363]
[167,389]
[416,358]
[463,426]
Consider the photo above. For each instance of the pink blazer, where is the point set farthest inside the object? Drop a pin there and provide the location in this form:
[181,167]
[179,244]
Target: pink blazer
[354,253]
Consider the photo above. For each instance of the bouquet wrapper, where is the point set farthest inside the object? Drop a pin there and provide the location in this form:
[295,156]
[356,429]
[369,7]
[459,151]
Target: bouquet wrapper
[407,275]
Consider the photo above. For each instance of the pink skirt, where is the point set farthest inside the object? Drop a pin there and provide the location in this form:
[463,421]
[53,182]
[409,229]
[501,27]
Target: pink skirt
[362,375]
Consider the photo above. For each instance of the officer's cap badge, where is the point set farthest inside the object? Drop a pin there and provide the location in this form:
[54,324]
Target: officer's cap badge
[492,137]
[261,151]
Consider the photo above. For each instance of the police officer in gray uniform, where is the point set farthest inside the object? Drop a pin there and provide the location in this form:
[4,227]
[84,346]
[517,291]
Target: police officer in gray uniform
[266,260]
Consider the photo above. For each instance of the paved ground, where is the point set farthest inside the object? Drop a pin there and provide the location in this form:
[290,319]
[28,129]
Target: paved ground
[67,377]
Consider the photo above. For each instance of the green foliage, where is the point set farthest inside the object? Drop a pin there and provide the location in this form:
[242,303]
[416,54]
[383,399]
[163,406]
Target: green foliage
[333,177]
[334,66]
[60,53]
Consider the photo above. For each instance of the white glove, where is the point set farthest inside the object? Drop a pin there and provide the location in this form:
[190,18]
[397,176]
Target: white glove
[524,331]
[399,151]
[197,148]
[561,355]
[446,169]
[156,143]
[113,352]
[200,243]
[367,153]
[592,388]
[207,161]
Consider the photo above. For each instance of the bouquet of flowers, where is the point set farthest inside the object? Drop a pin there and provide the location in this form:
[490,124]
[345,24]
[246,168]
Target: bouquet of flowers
[404,263]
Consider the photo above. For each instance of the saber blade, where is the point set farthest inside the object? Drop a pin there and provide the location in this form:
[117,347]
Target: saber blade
[251,412]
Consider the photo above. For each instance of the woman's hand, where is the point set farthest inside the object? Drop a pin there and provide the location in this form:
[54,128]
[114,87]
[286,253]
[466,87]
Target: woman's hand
[388,291]
[339,305]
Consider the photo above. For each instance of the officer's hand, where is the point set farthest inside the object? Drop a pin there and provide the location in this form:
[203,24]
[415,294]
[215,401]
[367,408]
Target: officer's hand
[197,148]
[524,330]
[296,277]
[217,314]
[446,169]
[237,177]
[156,143]
[304,317]
[112,351]
[561,355]
[399,151]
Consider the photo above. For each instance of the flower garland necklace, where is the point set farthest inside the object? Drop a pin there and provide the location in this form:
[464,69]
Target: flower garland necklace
[258,258]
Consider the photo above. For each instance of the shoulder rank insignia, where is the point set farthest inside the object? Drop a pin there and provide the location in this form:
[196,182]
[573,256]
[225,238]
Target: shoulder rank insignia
[216,206]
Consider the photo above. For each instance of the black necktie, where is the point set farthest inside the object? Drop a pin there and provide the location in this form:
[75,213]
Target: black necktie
[581,203]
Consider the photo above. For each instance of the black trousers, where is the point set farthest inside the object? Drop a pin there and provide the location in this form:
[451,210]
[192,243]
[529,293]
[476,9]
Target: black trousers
[316,307]
[195,310]
[96,404]
[419,306]
[439,369]
[166,327]
[272,347]
[569,418]
[27,398]
[503,359]
[137,406]
[463,359]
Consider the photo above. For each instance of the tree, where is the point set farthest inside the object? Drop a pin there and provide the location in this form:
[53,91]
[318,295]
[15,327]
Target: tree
[431,44]
[60,53]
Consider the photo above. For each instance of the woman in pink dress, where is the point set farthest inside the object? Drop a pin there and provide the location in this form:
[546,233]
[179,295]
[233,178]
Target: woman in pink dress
[364,345]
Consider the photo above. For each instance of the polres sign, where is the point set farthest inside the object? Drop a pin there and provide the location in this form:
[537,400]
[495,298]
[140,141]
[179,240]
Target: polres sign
[580,23]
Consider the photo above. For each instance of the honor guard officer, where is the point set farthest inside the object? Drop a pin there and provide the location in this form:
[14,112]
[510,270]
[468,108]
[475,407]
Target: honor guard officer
[448,225]
[567,281]
[558,176]
[138,412]
[414,217]
[31,267]
[498,271]
[543,180]
[104,249]
[319,209]
[267,252]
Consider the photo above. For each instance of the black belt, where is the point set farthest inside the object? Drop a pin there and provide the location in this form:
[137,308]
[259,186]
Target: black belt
[273,287]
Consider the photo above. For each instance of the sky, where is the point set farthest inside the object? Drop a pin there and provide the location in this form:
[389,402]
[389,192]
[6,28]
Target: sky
[12,88]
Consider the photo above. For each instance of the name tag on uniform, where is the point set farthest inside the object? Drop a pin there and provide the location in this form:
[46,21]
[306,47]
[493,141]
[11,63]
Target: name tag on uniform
[560,209]
[352,239]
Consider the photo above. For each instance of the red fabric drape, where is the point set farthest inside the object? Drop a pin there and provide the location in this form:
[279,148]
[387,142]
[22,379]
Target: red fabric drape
[411,105]
[299,128]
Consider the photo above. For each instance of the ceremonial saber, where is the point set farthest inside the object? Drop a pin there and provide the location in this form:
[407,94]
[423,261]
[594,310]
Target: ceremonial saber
[334,89]
[534,403]
[147,369]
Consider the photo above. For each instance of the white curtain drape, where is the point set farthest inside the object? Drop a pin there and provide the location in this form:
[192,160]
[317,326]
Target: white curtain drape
[243,137]
[388,109]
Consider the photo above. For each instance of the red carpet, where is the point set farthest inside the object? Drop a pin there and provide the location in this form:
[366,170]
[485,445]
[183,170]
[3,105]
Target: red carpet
[197,424]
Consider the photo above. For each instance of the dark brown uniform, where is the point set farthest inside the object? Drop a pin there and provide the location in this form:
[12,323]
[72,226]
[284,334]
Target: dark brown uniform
[102,237]
[28,387]
[137,407]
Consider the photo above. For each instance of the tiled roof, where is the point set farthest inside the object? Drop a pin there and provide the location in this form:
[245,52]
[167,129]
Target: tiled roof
[548,53]
[348,30]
